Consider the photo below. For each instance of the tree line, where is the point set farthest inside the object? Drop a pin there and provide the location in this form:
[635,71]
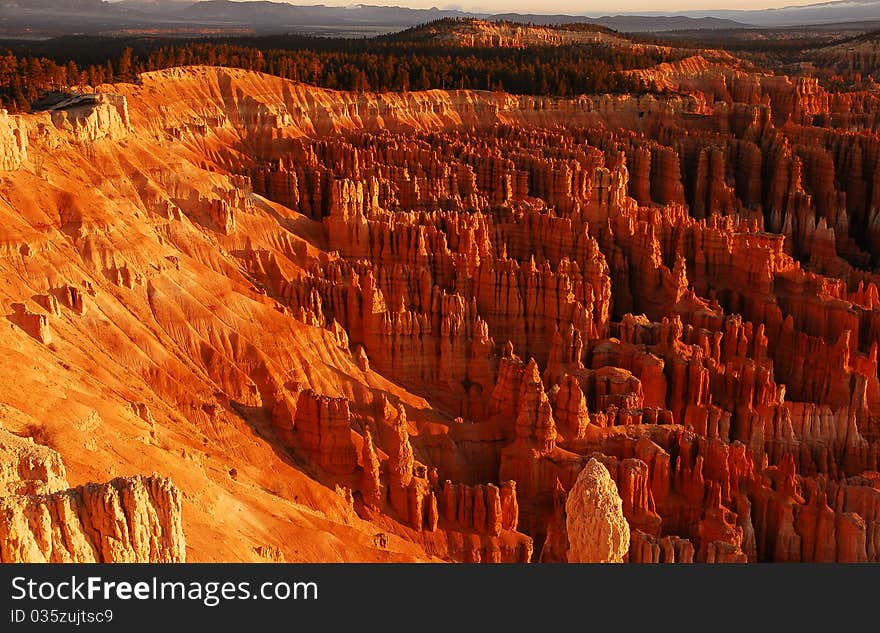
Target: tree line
[30,70]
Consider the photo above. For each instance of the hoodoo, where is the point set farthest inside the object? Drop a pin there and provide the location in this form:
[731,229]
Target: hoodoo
[445,325]
[597,530]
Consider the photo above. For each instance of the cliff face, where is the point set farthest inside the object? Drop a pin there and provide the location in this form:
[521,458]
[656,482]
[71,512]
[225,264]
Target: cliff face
[13,141]
[93,117]
[42,519]
[27,468]
[398,326]
[596,528]
[133,520]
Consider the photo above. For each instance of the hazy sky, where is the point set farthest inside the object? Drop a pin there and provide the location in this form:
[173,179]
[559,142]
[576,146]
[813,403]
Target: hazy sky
[610,7]
[573,7]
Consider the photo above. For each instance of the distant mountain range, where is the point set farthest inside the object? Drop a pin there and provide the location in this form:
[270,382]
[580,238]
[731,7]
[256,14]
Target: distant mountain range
[832,12]
[71,16]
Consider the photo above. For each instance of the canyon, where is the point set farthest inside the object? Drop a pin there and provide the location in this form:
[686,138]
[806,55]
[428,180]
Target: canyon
[249,319]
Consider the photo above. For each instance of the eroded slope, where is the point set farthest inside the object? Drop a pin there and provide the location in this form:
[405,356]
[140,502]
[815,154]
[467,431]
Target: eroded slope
[234,281]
